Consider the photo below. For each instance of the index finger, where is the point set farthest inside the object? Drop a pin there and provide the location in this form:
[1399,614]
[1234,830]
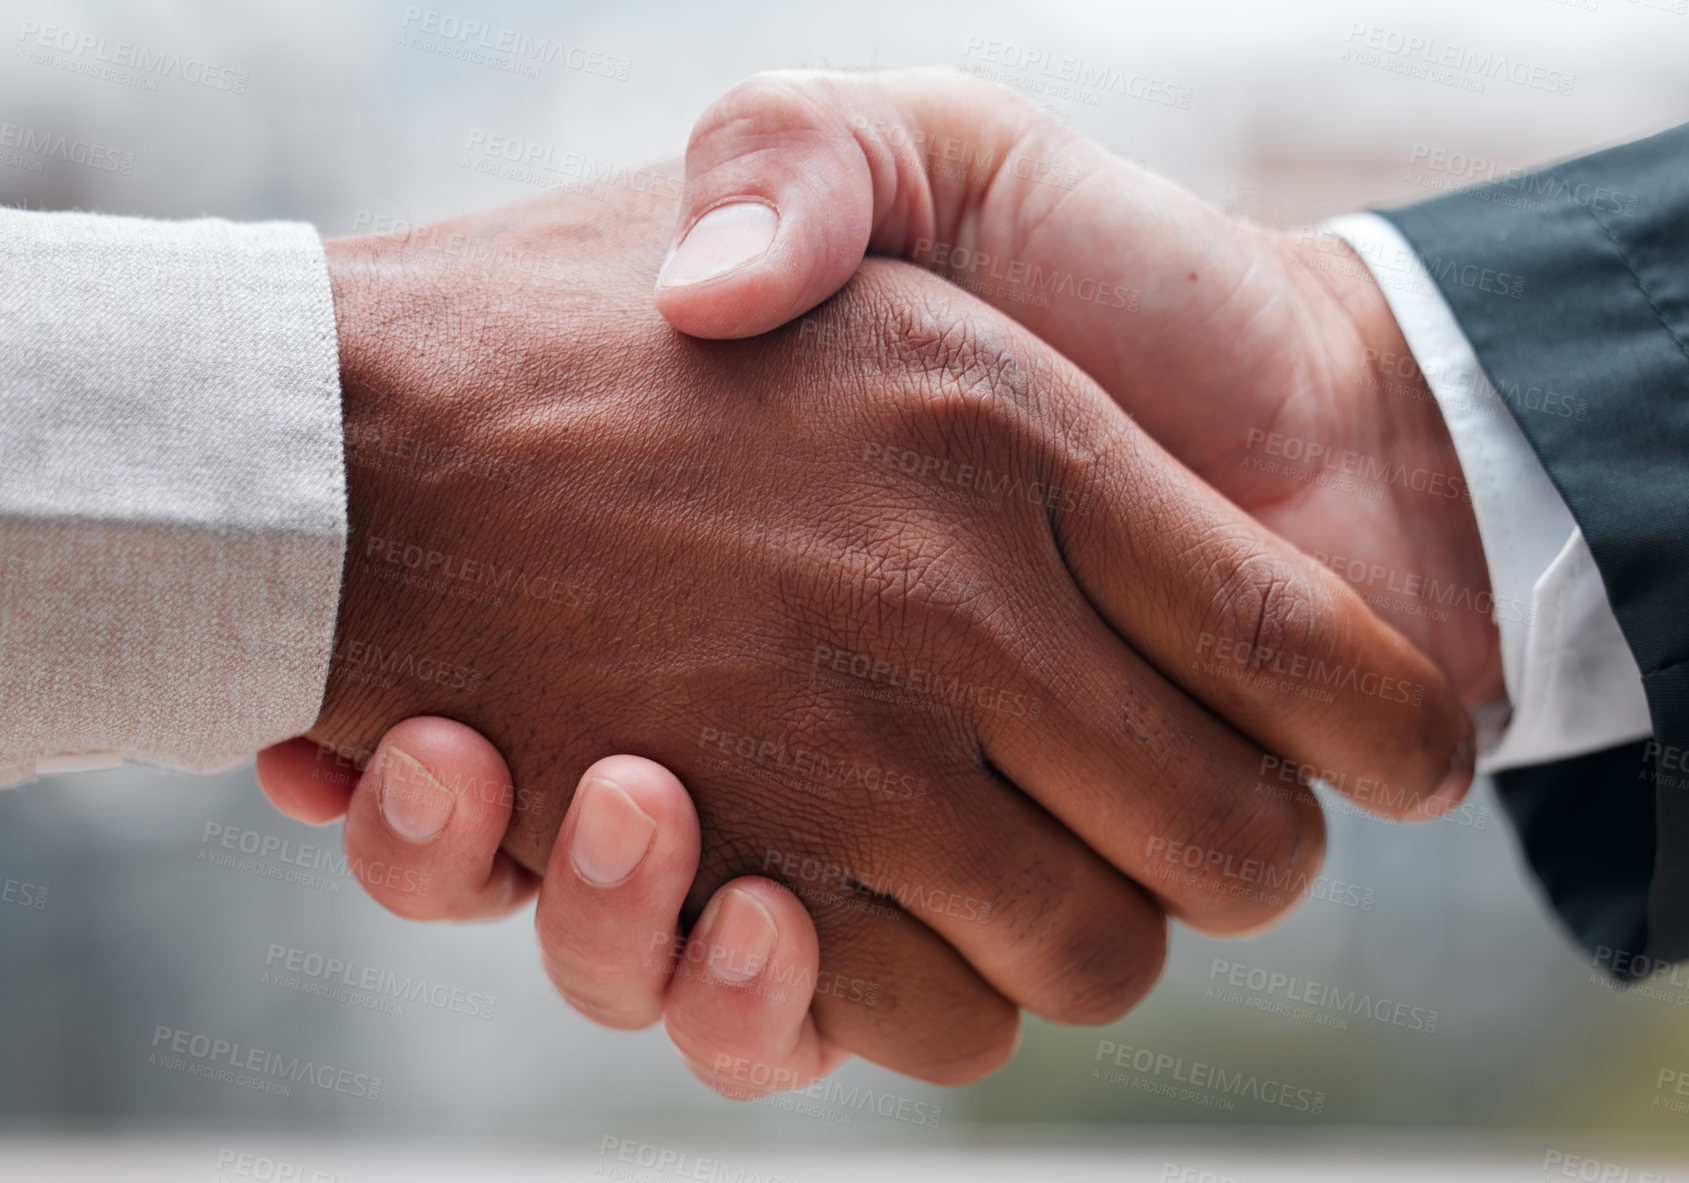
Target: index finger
[1264,636]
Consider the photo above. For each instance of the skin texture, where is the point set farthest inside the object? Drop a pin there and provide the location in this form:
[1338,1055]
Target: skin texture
[1227,342]
[963,719]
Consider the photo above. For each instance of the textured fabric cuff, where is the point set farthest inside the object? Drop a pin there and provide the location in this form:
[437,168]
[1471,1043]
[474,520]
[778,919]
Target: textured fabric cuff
[172,490]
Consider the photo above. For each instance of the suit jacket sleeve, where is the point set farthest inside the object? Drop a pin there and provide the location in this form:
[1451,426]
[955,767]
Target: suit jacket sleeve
[1572,283]
[172,493]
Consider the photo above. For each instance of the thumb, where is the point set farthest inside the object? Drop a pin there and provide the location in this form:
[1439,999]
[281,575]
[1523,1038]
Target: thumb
[793,176]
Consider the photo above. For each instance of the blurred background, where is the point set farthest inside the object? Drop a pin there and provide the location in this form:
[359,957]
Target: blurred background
[122,912]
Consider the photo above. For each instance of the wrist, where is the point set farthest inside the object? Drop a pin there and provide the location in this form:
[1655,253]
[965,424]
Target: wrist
[1381,388]
[380,427]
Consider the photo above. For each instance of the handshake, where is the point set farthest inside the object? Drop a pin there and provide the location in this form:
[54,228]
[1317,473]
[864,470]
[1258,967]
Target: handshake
[850,654]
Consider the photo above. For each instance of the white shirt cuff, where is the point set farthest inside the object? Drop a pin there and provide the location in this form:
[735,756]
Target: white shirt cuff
[1573,685]
[172,492]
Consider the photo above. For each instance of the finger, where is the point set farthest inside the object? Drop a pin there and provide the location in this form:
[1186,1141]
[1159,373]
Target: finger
[960,175]
[738,1011]
[609,906]
[888,988]
[1170,795]
[306,781]
[1042,918]
[792,176]
[1271,641]
[423,827]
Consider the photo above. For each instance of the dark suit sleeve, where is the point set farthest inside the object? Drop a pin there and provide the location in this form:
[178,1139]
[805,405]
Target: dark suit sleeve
[1572,284]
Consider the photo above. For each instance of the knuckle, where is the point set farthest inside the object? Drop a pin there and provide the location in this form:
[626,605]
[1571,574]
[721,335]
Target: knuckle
[965,1053]
[811,853]
[617,1014]
[1085,943]
[931,622]
[1267,608]
[959,353]
[929,595]
[1090,973]
[604,997]
[409,905]
[738,1074]
[729,1064]
[732,1090]
[1256,855]
[965,361]
[404,882]
[950,381]
[1005,101]
[770,102]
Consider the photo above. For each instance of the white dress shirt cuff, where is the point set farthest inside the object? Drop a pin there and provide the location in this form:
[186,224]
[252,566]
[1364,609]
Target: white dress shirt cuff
[172,492]
[1573,685]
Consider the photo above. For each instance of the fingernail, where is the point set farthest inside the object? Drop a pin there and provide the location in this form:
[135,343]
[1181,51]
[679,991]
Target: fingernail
[727,237]
[1462,766]
[414,804]
[739,936]
[612,834]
